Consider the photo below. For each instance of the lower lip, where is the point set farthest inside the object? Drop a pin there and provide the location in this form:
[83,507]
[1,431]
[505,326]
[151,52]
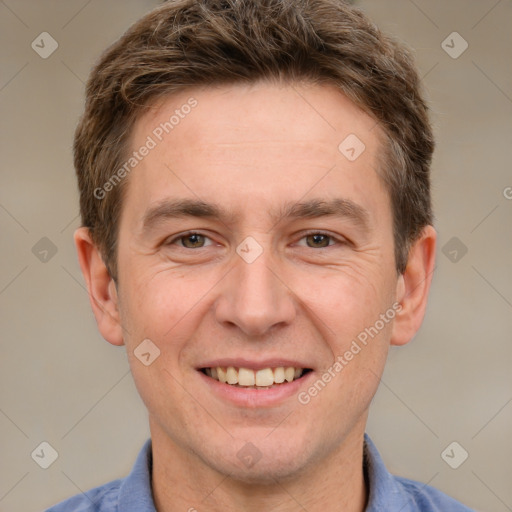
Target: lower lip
[254,398]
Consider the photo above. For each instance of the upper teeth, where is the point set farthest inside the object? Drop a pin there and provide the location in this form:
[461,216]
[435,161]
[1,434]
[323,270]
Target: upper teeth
[247,377]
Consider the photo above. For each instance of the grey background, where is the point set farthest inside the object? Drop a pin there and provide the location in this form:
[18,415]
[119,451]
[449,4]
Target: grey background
[62,383]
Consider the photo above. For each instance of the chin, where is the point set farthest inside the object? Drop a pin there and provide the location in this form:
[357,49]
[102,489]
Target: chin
[264,474]
[265,467]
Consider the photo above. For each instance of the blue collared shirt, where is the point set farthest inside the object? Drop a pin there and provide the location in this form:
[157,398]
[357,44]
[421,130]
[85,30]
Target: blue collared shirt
[388,493]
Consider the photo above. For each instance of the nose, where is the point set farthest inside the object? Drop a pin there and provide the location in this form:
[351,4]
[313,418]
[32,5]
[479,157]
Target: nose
[255,298]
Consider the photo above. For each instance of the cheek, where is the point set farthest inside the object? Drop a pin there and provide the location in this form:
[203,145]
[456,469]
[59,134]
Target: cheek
[344,301]
[164,307]
[346,307]
[161,303]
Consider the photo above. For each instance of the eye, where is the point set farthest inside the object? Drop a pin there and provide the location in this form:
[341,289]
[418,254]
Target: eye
[318,240]
[191,241]
[313,240]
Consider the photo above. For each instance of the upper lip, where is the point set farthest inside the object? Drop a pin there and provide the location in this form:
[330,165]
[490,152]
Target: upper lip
[240,362]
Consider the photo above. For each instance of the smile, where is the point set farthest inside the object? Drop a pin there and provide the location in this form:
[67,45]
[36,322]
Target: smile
[265,378]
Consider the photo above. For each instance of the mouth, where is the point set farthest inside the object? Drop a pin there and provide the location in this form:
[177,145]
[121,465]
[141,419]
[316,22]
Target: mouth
[265,378]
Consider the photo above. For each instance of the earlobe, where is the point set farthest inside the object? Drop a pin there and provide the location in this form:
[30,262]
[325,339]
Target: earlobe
[413,287]
[101,287]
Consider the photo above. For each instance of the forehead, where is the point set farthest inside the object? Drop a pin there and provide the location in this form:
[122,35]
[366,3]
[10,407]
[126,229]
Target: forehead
[255,144]
[245,113]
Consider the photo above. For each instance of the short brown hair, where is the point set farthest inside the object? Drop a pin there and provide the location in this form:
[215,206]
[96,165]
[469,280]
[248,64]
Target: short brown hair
[187,43]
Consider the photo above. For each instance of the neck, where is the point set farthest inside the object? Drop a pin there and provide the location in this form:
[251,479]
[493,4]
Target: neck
[181,481]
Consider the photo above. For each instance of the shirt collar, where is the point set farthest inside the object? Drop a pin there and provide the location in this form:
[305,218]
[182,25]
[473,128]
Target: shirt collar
[385,493]
[135,494]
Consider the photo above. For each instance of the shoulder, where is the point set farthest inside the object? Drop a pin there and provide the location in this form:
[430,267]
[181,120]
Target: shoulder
[395,493]
[424,498]
[129,494]
[100,499]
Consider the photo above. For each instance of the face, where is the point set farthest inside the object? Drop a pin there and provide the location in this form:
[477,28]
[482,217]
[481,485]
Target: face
[249,240]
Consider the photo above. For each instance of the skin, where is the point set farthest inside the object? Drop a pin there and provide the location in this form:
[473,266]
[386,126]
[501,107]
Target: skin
[251,149]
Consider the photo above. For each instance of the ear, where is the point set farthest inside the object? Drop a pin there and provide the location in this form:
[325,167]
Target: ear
[413,287]
[101,287]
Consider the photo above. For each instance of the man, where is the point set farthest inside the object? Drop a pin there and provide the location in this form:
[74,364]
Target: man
[257,230]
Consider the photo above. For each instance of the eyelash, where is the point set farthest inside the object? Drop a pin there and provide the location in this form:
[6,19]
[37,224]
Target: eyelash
[304,235]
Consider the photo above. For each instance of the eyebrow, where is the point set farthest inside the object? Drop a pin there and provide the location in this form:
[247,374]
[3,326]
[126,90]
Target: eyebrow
[314,208]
